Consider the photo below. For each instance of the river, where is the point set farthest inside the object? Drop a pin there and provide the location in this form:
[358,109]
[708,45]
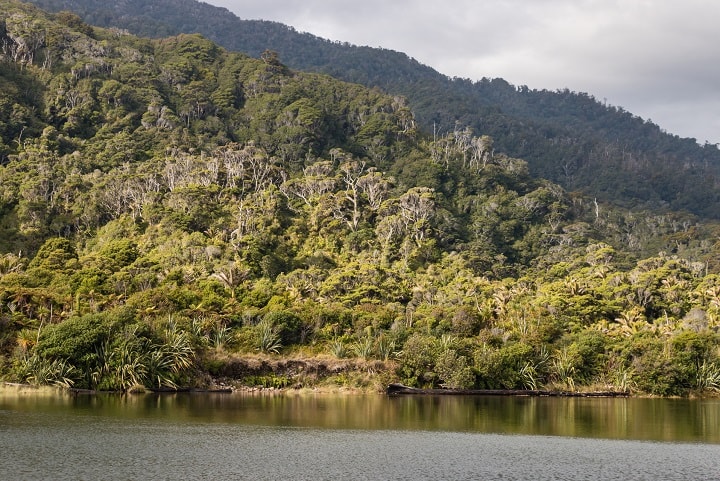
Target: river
[48,434]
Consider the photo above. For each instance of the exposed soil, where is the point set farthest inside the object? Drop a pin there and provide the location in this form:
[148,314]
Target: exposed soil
[300,372]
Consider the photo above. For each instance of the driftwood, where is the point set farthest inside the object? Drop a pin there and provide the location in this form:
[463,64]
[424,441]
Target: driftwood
[400,389]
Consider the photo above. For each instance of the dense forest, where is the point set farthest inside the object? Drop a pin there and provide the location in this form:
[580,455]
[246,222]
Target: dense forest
[169,208]
[567,137]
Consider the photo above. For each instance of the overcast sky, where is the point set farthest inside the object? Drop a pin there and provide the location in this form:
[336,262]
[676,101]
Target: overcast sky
[659,59]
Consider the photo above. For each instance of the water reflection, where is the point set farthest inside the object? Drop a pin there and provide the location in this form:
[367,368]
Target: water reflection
[687,420]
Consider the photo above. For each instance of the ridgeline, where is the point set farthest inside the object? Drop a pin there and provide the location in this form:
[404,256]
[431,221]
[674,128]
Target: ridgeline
[570,138]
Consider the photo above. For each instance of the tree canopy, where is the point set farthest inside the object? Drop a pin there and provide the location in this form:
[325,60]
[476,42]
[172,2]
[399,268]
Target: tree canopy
[570,138]
[167,202]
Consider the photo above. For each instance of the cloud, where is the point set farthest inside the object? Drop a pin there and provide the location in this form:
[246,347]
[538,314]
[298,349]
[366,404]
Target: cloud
[656,58]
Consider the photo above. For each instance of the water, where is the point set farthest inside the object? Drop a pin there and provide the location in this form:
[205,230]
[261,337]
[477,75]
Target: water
[232,436]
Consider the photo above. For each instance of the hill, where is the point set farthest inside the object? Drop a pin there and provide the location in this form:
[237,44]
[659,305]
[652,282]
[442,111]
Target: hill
[567,137]
[169,207]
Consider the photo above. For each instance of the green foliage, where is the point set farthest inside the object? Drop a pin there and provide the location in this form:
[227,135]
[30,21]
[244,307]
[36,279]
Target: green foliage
[690,351]
[268,338]
[76,339]
[585,354]
[708,377]
[455,370]
[166,200]
[428,361]
[120,253]
[269,381]
[569,137]
[287,324]
[676,366]
[502,367]
[652,370]
[38,371]
[339,348]
[107,351]
[55,254]
[417,360]
[363,348]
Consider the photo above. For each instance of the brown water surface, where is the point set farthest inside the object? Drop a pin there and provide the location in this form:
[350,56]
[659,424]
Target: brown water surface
[50,434]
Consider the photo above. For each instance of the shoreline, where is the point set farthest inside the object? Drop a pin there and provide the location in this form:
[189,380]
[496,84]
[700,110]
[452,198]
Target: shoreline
[255,390]
[244,390]
[241,389]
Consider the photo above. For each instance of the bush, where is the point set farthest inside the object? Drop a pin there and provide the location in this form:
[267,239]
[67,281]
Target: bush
[586,350]
[653,371]
[417,360]
[55,254]
[288,325]
[454,370]
[689,351]
[501,368]
[76,339]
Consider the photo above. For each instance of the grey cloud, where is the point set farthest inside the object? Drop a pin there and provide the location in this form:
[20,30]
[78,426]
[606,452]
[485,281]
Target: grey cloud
[656,58]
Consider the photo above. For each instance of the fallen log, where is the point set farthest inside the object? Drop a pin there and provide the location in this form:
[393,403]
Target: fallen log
[400,390]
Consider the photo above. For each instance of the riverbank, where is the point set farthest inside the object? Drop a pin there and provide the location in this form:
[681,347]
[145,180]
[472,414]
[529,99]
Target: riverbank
[267,374]
[251,373]
[259,373]
[324,374]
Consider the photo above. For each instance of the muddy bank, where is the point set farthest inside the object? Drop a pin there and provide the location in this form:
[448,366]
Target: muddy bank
[294,372]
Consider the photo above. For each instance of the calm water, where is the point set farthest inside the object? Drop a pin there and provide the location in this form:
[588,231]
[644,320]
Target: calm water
[233,436]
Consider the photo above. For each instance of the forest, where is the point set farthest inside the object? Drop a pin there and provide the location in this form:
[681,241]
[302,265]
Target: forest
[568,137]
[170,208]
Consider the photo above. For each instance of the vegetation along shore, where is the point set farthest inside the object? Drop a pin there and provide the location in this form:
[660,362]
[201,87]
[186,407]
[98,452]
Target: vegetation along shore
[177,215]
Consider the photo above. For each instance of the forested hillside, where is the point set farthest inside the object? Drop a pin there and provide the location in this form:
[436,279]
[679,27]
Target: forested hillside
[567,137]
[169,207]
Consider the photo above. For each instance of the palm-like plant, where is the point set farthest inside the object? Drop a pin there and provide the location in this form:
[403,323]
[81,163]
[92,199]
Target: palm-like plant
[130,366]
[708,376]
[532,372]
[363,348]
[220,336]
[27,338]
[529,376]
[159,370]
[39,371]
[180,351]
[385,347]
[231,277]
[563,368]
[268,337]
[10,263]
[338,348]
[169,360]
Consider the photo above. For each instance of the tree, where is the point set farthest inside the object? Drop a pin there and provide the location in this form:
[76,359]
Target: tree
[55,254]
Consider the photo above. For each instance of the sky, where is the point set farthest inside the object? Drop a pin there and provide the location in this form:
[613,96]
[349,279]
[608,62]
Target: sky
[658,59]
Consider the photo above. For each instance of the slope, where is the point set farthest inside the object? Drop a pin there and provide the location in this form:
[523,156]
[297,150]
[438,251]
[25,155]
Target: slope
[169,207]
[568,137]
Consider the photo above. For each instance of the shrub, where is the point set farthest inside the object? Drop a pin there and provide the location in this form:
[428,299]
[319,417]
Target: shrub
[652,370]
[268,337]
[689,352]
[75,340]
[417,360]
[501,368]
[288,325]
[586,352]
[454,370]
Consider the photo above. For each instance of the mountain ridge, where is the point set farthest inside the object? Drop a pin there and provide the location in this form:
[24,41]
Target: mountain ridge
[567,137]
